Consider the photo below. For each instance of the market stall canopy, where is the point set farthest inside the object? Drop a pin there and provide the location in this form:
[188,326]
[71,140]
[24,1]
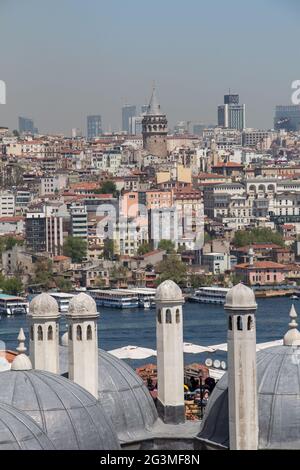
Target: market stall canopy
[190,348]
[133,352]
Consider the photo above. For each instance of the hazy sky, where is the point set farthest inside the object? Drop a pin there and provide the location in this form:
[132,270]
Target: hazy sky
[64,59]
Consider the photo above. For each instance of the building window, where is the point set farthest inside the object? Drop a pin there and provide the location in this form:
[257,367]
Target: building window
[239,323]
[70,333]
[230,323]
[31,333]
[50,333]
[178,316]
[250,324]
[159,316]
[89,333]
[168,316]
[40,333]
[79,333]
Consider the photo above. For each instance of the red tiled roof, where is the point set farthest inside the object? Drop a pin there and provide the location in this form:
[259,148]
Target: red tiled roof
[261,265]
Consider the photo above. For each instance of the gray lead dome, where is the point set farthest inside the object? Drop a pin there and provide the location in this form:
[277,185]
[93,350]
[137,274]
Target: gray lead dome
[278,372]
[19,432]
[70,416]
[123,395]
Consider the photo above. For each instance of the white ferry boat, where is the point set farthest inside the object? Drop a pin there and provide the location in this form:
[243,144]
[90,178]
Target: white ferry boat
[12,305]
[114,298]
[63,300]
[145,295]
[209,295]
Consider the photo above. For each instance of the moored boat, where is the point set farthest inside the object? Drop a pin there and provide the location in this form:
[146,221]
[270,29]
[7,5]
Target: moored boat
[209,295]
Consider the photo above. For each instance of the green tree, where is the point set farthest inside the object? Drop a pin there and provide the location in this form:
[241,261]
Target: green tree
[63,284]
[43,272]
[75,248]
[109,249]
[108,187]
[201,280]
[144,248]
[257,235]
[172,268]
[167,245]
[12,286]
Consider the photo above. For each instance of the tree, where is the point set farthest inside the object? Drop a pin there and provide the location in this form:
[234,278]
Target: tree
[201,280]
[144,248]
[16,133]
[43,273]
[63,284]
[167,245]
[108,187]
[12,286]
[257,235]
[109,249]
[75,248]
[172,268]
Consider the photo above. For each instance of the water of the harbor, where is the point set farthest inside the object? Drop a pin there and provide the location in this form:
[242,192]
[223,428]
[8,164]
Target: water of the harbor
[203,325]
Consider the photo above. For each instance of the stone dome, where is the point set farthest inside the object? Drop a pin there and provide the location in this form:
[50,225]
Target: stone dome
[124,397]
[82,305]
[21,362]
[70,416]
[240,297]
[168,291]
[278,372]
[19,432]
[43,305]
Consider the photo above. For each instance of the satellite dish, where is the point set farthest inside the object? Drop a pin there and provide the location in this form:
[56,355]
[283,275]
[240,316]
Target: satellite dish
[223,365]
[208,362]
[217,364]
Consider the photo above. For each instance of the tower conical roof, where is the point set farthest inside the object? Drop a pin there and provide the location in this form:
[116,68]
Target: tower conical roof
[154,106]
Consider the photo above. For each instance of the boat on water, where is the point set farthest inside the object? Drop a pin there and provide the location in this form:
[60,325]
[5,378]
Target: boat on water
[63,300]
[294,297]
[114,298]
[209,295]
[13,305]
[145,295]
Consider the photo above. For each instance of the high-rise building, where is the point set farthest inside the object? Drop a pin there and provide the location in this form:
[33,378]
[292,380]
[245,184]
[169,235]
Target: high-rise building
[94,126]
[231,99]
[155,129]
[79,221]
[231,114]
[128,112]
[44,233]
[26,126]
[287,118]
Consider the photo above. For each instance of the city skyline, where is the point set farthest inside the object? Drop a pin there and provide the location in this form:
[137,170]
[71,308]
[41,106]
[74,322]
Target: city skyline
[119,54]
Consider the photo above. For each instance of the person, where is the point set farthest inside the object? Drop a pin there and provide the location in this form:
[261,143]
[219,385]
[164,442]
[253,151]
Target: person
[150,384]
[194,384]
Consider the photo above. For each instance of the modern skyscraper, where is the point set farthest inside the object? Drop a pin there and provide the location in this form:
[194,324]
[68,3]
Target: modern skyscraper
[155,129]
[287,118]
[231,114]
[128,112]
[94,126]
[26,125]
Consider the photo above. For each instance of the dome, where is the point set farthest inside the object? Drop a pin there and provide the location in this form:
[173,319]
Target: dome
[240,297]
[43,305]
[168,291]
[64,340]
[70,416]
[21,362]
[123,395]
[278,372]
[19,432]
[82,305]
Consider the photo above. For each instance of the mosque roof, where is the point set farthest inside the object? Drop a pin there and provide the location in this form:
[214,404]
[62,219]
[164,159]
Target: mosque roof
[123,395]
[19,432]
[70,416]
